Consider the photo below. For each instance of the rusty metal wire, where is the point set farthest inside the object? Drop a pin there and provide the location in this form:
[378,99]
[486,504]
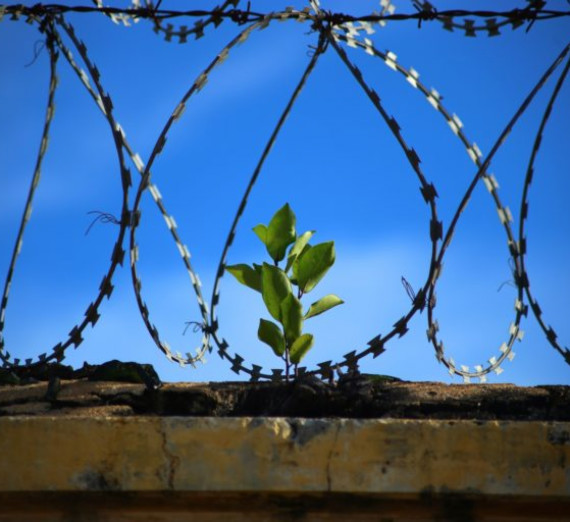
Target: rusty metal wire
[334,31]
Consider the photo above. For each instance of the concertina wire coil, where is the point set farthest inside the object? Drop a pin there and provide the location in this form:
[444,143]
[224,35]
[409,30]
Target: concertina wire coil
[336,32]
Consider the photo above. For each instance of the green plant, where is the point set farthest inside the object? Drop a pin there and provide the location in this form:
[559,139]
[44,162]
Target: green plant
[283,288]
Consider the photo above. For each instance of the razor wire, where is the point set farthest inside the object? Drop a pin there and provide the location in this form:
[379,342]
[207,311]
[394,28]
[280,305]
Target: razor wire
[336,31]
[523,279]
[53,55]
[505,216]
[91,315]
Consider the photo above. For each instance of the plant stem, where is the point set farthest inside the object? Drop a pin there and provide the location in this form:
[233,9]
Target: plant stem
[287,364]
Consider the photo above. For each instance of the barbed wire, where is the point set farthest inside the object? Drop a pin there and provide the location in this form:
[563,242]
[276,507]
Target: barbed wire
[339,32]
[425,12]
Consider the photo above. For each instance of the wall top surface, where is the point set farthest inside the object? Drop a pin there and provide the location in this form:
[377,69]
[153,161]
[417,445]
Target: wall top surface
[349,398]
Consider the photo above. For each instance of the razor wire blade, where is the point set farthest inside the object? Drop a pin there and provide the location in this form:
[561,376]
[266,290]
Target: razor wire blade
[342,34]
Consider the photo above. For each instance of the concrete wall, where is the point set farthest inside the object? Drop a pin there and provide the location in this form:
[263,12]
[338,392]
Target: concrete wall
[206,468]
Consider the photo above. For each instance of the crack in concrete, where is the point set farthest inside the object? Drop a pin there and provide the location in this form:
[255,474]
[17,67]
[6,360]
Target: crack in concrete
[330,455]
[172,461]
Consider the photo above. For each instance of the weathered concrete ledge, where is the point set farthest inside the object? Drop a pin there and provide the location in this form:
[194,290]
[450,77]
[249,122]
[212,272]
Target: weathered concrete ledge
[118,451]
[392,456]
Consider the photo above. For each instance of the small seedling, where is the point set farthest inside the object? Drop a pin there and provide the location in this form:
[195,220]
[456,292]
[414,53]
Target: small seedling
[282,287]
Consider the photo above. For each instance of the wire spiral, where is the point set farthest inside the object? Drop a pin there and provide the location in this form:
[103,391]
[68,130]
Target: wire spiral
[337,33]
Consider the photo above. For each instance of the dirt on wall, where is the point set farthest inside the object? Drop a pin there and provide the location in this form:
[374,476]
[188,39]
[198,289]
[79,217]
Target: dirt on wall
[125,389]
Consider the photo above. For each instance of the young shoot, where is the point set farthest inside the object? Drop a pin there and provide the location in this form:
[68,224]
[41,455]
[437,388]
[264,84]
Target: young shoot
[295,270]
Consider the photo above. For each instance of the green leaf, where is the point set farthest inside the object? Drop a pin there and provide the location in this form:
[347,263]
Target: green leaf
[257,268]
[313,264]
[291,317]
[261,232]
[300,347]
[275,287]
[280,233]
[298,247]
[323,304]
[271,334]
[295,276]
[246,275]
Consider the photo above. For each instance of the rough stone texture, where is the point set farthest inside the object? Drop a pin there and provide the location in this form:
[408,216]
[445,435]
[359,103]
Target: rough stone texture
[352,399]
[359,449]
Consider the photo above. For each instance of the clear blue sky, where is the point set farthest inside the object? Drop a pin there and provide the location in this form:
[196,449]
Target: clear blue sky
[335,162]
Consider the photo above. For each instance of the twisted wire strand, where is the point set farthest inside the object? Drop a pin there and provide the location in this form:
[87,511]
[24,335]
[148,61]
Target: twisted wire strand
[91,315]
[256,371]
[515,333]
[523,279]
[134,218]
[491,26]
[376,345]
[145,183]
[455,125]
[118,254]
[427,190]
[198,84]
[333,28]
[536,11]
[50,111]
[158,200]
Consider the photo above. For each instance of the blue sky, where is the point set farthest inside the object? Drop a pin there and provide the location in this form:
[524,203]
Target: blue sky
[335,162]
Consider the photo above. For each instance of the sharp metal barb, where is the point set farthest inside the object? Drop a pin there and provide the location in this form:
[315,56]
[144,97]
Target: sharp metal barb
[343,32]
